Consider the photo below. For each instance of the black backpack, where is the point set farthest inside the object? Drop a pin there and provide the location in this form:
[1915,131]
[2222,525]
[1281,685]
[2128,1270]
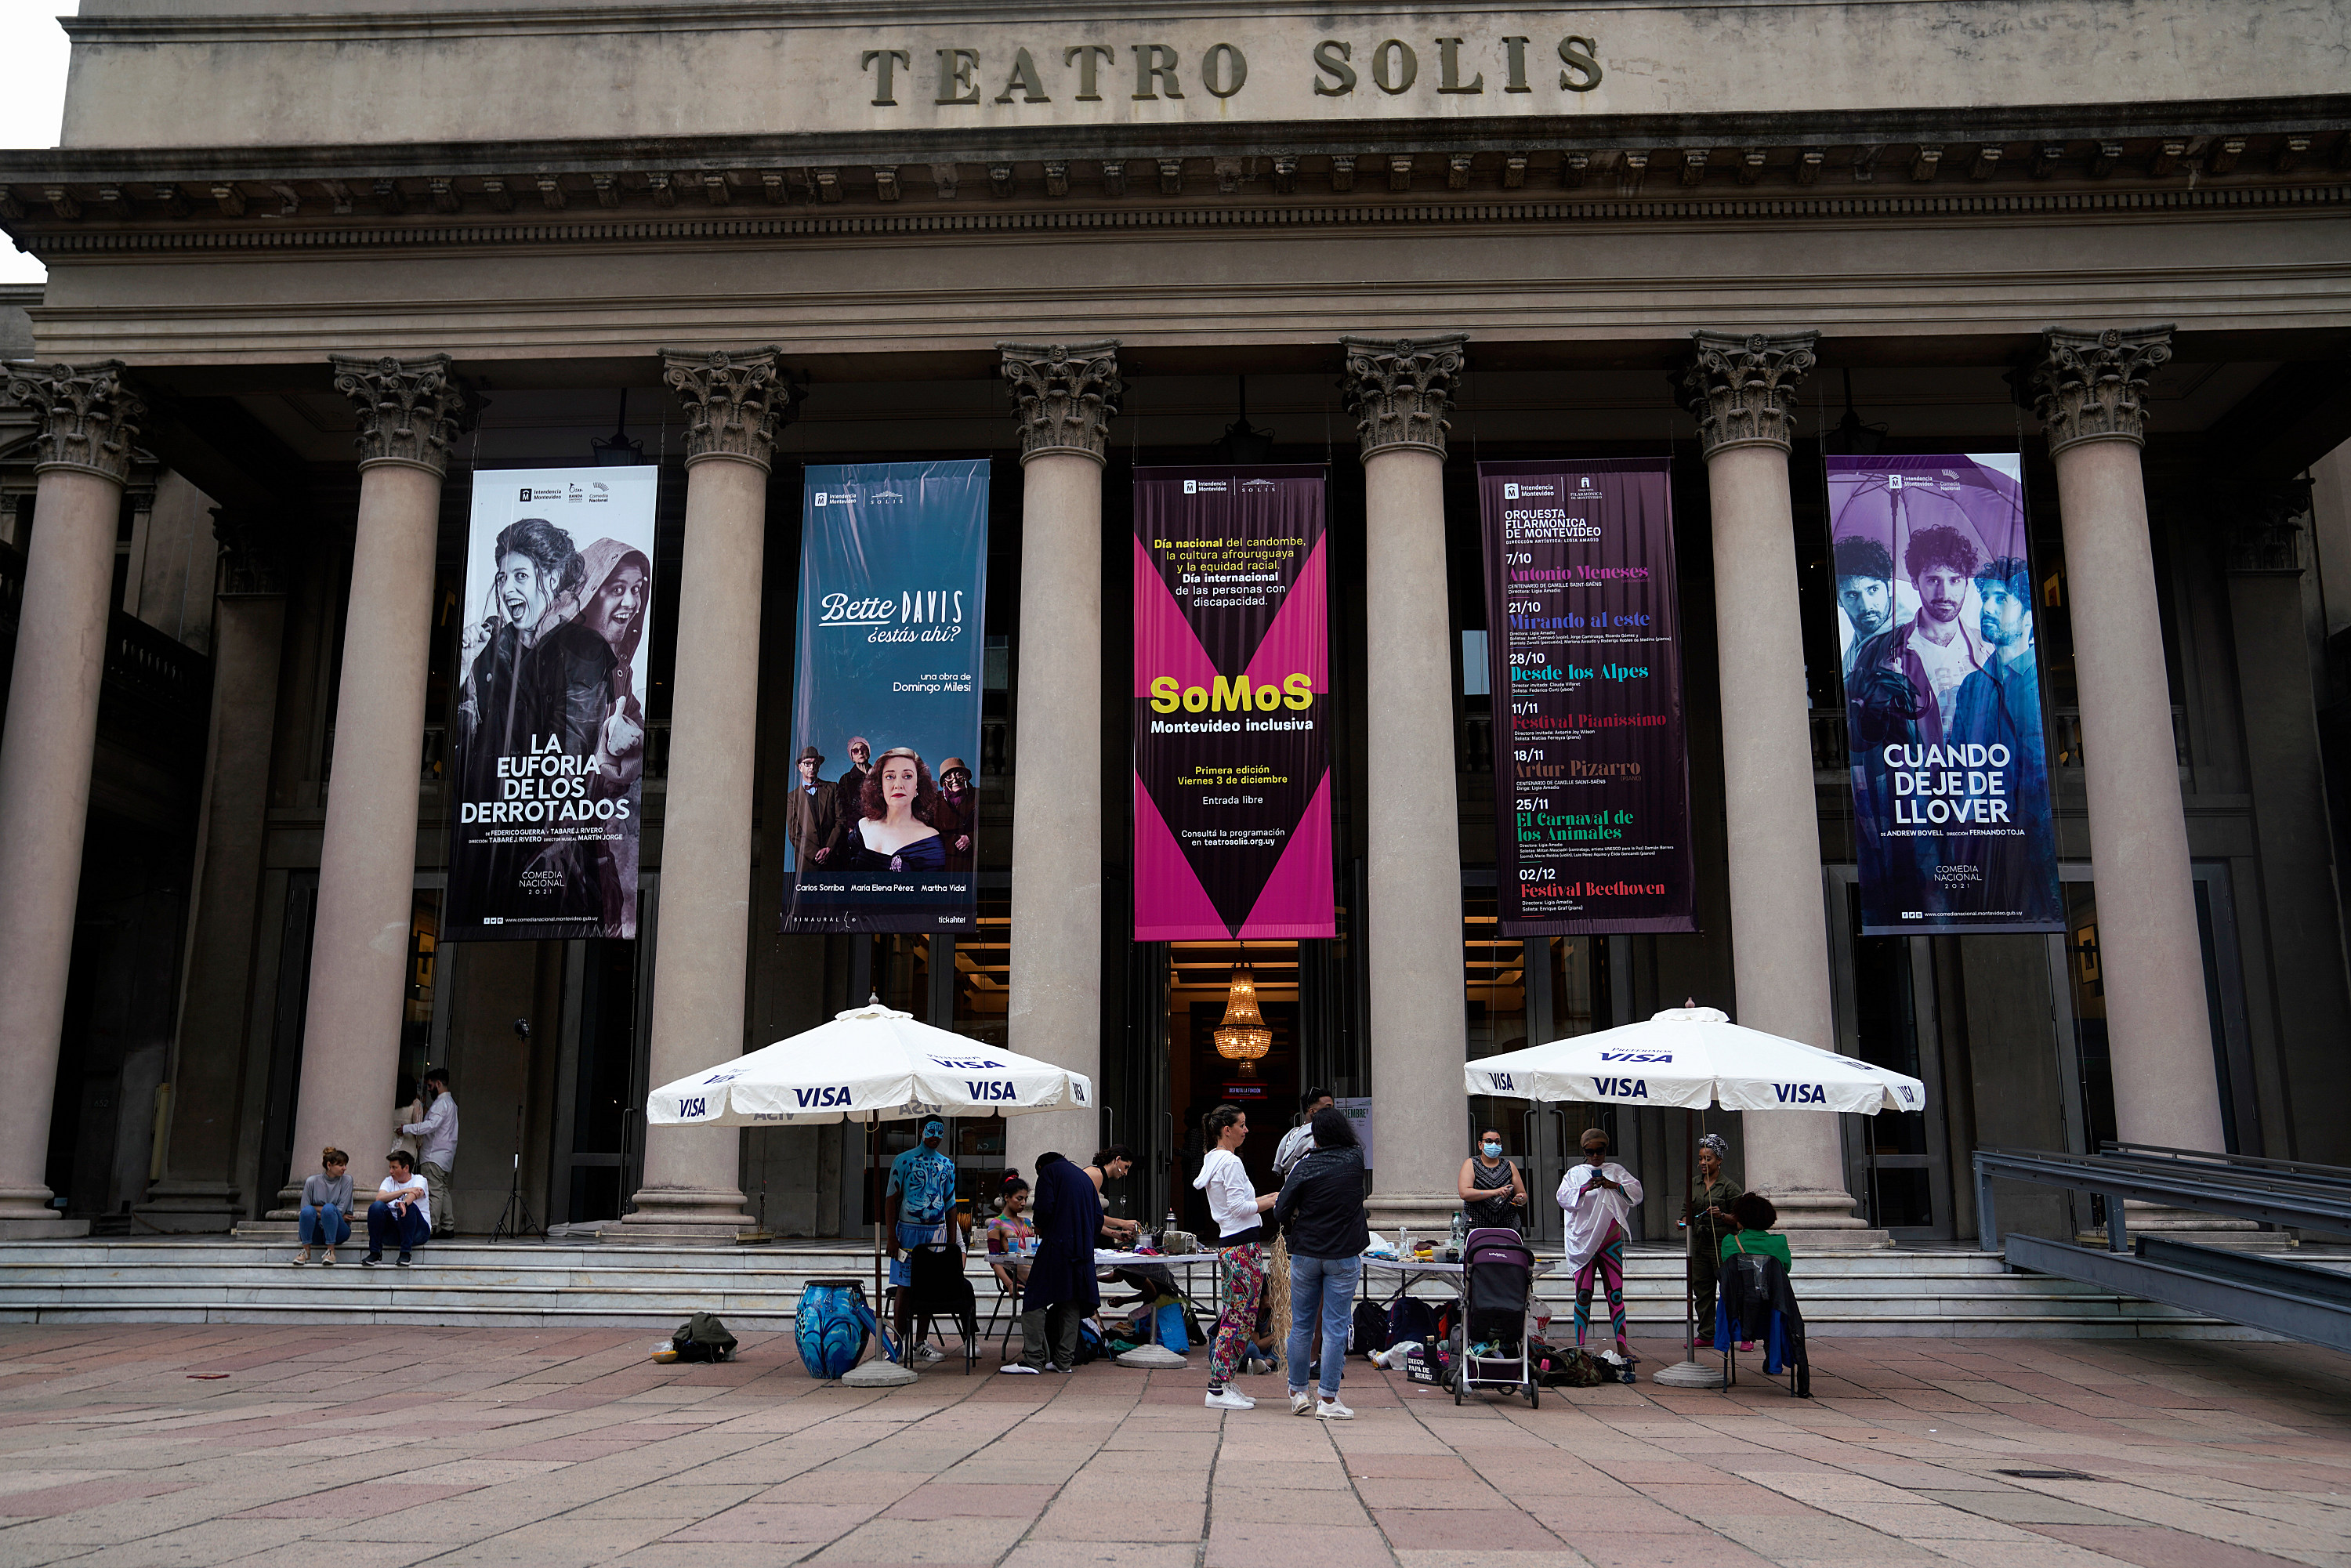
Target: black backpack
[1369,1332]
[703,1337]
[1410,1318]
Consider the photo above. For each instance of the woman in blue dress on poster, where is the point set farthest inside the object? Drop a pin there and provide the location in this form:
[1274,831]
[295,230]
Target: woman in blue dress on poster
[896,834]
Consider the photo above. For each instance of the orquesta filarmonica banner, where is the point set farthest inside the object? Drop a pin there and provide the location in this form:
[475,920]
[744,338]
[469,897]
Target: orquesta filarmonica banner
[1935,596]
[882,823]
[548,746]
[1591,760]
[1232,777]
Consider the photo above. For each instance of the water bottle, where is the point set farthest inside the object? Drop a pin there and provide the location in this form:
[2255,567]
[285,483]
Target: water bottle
[1460,1228]
[1166,1231]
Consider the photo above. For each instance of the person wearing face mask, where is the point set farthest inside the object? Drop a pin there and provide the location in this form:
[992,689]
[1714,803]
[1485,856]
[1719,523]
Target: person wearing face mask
[1707,1215]
[1597,1198]
[1490,1188]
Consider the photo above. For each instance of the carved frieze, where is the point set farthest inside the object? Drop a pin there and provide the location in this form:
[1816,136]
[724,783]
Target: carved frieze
[87,417]
[409,409]
[1064,394]
[2092,386]
[1401,390]
[1742,387]
[735,399]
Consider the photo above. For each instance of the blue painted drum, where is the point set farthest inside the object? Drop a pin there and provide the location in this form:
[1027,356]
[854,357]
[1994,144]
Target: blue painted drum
[832,1325]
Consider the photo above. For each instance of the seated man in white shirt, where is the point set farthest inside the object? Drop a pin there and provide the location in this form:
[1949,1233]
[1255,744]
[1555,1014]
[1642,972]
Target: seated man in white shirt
[402,1210]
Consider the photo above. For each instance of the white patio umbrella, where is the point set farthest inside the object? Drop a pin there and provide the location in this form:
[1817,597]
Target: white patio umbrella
[1694,1057]
[869,1065]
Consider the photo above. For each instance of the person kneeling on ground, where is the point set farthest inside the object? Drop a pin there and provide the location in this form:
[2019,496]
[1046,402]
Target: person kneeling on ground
[324,1216]
[402,1212]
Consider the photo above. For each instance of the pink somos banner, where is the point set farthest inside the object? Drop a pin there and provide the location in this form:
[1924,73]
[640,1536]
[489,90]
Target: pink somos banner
[1232,777]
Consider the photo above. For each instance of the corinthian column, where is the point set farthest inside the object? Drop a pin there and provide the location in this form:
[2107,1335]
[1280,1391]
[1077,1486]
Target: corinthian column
[1400,393]
[408,412]
[1742,391]
[198,1190]
[1065,396]
[692,1189]
[87,419]
[2087,393]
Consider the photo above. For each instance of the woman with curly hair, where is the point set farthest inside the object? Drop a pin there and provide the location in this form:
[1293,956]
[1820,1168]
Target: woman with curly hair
[894,833]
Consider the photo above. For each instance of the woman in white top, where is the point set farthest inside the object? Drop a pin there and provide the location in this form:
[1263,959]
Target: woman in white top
[1598,1197]
[1236,1205]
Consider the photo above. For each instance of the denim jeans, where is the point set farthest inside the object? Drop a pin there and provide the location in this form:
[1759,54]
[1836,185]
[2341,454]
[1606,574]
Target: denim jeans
[408,1229]
[1323,1287]
[325,1226]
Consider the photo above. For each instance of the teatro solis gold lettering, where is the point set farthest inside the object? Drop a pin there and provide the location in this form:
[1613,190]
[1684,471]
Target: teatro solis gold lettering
[1223,70]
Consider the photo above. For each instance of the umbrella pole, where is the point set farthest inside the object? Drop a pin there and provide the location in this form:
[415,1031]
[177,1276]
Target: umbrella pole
[1688,1372]
[881,1216]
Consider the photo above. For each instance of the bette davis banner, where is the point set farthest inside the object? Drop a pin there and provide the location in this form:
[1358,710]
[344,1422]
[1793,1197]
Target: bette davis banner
[1591,771]
[549,736]
[1232,777]
[883,824]
[1950,773]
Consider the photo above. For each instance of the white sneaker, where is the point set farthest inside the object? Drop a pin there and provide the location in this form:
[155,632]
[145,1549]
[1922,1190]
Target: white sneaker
[927,1352]
[1018,1368]
[1331,1410]
[1301,1404]
[1228,1399]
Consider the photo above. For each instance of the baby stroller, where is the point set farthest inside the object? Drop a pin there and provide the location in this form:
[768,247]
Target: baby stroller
[1497,1273]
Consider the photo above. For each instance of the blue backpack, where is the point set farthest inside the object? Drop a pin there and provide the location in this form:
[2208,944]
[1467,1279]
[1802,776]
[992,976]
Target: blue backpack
[1410,1318]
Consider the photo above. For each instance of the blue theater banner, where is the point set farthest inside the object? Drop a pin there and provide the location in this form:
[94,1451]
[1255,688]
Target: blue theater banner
[881,825]
[1935,598]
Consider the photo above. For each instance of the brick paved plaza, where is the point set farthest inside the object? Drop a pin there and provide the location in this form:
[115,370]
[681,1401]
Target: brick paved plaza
[157,1447]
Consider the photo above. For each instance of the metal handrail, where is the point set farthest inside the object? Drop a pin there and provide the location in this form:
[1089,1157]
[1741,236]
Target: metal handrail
[2272,1200]
[2305,1170]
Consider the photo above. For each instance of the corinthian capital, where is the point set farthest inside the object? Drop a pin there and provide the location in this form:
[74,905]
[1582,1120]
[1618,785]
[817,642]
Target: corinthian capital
[2090,386]
[1400,389]
[1742,387]
[1065,396]
[87,417]
[735,399]
[408,409]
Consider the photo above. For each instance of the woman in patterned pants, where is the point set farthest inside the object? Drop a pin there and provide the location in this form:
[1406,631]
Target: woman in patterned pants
[1242,1238]
[1597,1198]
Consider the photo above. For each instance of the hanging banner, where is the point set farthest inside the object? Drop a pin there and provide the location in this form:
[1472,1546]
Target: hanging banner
[1950,774]
[1232,777]
[883,824]
[548,729]
[1591,771]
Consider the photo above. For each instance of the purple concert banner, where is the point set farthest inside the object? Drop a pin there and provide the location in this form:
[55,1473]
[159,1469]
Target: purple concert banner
[1935,595]
[1591,829]
[1232,773]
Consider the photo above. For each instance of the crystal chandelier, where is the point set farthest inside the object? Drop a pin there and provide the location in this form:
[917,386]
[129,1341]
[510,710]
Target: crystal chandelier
[1243,1037]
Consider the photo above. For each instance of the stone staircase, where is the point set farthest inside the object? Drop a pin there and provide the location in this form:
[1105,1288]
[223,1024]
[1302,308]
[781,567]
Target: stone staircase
[1908,1291]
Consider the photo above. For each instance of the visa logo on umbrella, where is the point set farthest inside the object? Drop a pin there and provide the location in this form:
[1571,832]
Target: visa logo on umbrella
[1622,1088]
[1637,1056]
[828,1095]
[1501,1081]
[1801,1093]
[991,1089]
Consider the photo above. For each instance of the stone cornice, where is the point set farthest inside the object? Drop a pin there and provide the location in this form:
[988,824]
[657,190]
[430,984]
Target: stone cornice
[86,416]
[734,401]
[1741,387]
[2092,385]
[1064,396]
[1401,390]
[408,409]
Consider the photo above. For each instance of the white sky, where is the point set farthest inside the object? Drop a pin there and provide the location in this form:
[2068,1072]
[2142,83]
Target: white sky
[32,97]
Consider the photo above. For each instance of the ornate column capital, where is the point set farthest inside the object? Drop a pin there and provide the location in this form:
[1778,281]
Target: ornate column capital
[2090,386]
[1064,394]
[1400,389]
[1741,387]
[735,399]
[253,553]
[409,409]
[86,414]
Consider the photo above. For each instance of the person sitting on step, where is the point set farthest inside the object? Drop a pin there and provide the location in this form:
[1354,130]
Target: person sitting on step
[402,1212]
[326,1214]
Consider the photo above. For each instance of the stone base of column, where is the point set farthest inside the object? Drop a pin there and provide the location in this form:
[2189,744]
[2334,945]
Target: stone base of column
[1821,1221]
[685,1217]
[191,1209]
[25,1216]
[2194,1226]
[1423,1213]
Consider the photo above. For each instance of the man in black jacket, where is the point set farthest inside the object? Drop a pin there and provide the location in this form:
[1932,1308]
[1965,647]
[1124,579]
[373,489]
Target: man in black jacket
[1322,1209]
